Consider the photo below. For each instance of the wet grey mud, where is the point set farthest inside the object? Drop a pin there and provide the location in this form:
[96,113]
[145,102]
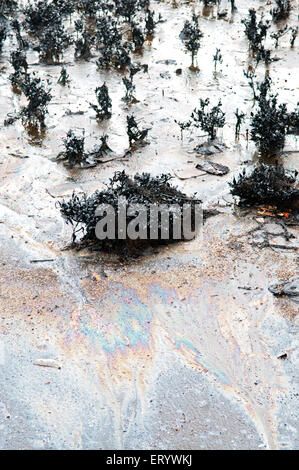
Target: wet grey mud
[186,347]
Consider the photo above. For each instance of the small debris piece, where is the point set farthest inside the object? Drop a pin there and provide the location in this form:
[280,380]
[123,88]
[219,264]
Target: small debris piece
[269,211]
[209,148]
[187,173]
[222,14]
[47,363]
[41,260]
[289,288]
[263,237]
[207,213]
[18,155]
[165,75]
[283,356]
[213,168]
[167,62]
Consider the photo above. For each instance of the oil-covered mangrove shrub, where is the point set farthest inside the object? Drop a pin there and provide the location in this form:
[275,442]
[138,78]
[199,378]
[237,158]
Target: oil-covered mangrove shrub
[150,22]
[292,120]
[279,34]
[104,150]
[127,8]
[143,190]
[135,134]
[40,15]
[108,38]
[65,8]
[255,31]
[114,43]
[208,121]
[233,5]
[270,123]
[138,37]
[104,106]
[52,43]
[19,62]
[22,43]
[122,58]
[191,36]
[281,10]
[267,184]
[73,153]
[263,55]
[38,99]
[108,33]
[90,7]
[83,44]
[129,85]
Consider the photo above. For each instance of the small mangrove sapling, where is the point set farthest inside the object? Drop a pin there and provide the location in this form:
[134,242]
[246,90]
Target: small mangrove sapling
[104,106]
[208,121]
[134,133]
[217,58]
[255,31]
[191,36]
[38,99]
[240,117]
[294,34]
[73,149]
[64,77]
[270,123]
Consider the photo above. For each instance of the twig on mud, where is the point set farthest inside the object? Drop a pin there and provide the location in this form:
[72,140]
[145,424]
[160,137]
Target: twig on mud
[41,260]
[266,242]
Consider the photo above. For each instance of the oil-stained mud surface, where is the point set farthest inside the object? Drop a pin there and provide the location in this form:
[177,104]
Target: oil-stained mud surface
[182,349]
